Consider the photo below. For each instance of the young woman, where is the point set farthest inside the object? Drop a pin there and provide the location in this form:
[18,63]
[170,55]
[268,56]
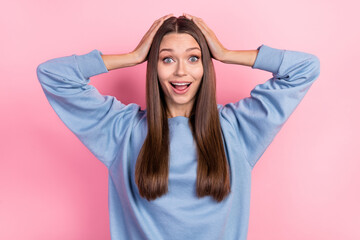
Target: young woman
[181,169]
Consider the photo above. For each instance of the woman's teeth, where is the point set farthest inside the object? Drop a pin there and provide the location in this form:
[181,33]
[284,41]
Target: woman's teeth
[180,86]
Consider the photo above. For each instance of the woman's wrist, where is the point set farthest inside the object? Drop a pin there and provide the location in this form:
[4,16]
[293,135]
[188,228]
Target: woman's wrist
[240,57]
[115,61]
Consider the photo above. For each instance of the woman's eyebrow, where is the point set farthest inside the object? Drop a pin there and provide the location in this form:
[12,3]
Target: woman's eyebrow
[171,50]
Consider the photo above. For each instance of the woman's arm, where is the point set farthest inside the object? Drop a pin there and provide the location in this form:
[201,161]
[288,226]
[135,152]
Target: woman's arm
[100,122]
[257,119]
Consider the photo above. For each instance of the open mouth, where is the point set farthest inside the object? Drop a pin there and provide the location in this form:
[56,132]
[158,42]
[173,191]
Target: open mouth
[180,88]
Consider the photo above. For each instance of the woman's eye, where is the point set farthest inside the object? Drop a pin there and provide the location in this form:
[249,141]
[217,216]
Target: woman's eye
[167,60]
[170,60]
[193,58]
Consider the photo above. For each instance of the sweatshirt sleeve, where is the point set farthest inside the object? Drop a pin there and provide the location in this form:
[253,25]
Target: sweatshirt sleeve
[100,122]
[258,118]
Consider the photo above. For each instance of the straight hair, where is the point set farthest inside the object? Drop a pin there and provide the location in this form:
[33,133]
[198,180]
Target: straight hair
[152,165]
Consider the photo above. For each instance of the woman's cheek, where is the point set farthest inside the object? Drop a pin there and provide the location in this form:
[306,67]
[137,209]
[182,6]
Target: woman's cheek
[199,73]
[164,73]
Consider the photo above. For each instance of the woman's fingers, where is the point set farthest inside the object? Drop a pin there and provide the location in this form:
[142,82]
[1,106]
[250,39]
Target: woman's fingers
[216,48]
[200,23]
[155,26]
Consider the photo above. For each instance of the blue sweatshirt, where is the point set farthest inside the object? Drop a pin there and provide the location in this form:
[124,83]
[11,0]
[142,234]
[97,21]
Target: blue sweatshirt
[115,132]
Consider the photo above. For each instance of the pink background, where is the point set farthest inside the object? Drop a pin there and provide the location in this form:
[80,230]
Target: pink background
[305,186]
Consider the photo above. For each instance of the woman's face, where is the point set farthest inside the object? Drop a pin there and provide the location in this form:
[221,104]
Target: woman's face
[180,70]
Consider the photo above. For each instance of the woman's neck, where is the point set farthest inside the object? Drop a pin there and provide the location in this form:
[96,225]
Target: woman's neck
[179,110]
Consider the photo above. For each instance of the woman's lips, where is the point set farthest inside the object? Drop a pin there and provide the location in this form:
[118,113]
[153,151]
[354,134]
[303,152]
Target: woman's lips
[180,87]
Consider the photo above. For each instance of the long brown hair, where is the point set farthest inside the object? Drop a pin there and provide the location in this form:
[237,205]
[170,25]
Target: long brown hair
[152,166]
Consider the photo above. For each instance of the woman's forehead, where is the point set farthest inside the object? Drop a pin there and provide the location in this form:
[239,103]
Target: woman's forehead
[178,42]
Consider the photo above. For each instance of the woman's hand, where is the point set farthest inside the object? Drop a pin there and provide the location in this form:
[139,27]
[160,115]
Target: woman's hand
[241,57]
[218,51]
[142,50]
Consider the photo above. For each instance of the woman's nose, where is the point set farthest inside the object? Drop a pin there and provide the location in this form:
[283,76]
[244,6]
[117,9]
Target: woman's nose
[180,69]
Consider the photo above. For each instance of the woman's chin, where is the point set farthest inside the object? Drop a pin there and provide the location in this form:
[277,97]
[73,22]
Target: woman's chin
[181,101]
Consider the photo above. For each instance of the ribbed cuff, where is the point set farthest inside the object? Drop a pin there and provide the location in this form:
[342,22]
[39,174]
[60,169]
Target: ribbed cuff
[91,64]
[269,59]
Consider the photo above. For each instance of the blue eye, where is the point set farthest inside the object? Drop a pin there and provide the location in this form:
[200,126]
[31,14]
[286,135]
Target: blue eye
[196,58]
[169,59]
[165,60]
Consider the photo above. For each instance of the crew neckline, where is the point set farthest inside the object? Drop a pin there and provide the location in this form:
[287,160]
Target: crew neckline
[178,119]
